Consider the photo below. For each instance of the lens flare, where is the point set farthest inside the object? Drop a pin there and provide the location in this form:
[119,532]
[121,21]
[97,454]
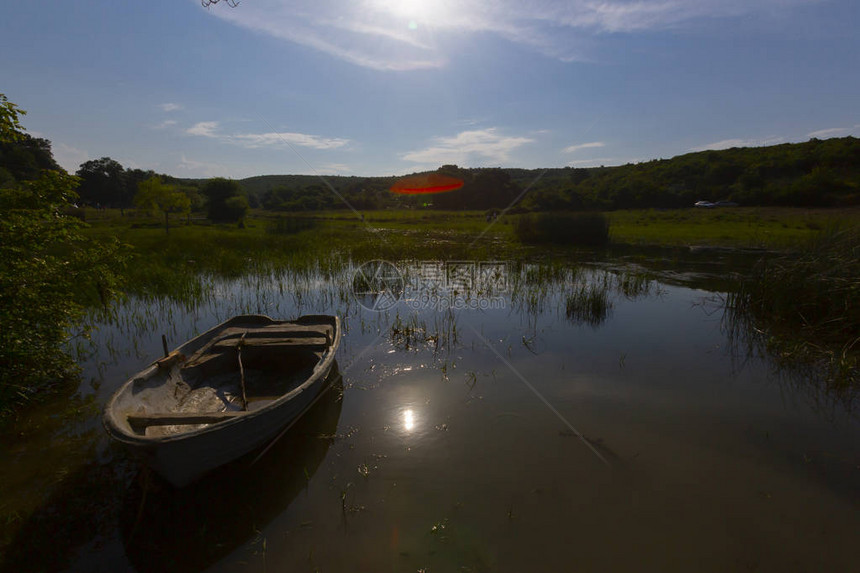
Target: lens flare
[426,184]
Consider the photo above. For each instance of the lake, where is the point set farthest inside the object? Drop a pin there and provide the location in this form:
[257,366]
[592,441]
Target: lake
[597,415]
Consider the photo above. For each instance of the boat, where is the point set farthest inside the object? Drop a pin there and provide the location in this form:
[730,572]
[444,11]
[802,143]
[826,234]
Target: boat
[223,393]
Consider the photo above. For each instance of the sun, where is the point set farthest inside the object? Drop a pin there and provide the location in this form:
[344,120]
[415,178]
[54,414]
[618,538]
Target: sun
[413,10]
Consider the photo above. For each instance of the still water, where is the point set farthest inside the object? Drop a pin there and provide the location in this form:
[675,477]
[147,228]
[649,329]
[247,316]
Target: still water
[589,419]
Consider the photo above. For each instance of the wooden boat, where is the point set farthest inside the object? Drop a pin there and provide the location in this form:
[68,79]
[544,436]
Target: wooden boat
[224,393]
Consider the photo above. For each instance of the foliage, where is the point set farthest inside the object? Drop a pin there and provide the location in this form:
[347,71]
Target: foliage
[812,174]
[103,182]
[49,272]
[10,125]
[24,158]
[226,202]
[155,196]
[816,173]
[587,229]
[807,305]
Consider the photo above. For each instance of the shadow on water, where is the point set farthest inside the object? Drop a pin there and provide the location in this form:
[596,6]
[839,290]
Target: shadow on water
[168,529]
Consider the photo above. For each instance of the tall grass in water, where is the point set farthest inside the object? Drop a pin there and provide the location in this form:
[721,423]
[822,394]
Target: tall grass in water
[586,229]
[805,308]
[290,225]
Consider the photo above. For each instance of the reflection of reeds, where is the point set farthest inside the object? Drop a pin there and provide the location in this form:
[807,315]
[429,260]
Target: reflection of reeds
[586,293]
[588,303]
[803,309]
[415,334]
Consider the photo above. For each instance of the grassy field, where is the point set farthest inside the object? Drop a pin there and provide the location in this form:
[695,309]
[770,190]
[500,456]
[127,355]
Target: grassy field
[408,231]
[773,228]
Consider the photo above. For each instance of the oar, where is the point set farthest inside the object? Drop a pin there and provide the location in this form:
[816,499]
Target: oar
[242,370]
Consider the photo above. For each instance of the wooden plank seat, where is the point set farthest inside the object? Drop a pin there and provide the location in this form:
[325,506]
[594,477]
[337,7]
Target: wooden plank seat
[279,331]
[269,342]
[138,421]
[275,337]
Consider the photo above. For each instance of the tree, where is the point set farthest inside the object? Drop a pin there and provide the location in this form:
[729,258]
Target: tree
[10,125]
[154,196]
[49,273]
[103,182]
[25,158]
[226,201]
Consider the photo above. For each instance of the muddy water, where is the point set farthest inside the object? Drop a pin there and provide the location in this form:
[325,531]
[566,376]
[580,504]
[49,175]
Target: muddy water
[517,437]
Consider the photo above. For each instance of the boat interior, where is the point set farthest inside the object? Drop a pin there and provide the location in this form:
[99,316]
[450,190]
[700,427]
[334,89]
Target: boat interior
[240,370]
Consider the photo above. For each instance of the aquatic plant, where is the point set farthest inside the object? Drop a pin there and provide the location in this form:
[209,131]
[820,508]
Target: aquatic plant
[804,308]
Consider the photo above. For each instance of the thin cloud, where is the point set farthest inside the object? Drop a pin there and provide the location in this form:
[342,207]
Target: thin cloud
[170,106]
[729,143]
[256,140]
[399,36]
[70,158]
[165,124]
[831,132]
[601,161]
[477,147]
[574,148]
[201,168]
[333,168]
[203,129]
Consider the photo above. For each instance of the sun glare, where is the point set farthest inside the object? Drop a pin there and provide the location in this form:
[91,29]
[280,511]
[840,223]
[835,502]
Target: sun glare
[408,420]
[412,10]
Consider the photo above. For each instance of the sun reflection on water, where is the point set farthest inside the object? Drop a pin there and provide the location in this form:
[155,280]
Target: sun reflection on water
[408,420]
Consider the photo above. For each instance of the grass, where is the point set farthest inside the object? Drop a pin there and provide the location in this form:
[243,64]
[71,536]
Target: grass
[448,234]
[805,308]
[775,228]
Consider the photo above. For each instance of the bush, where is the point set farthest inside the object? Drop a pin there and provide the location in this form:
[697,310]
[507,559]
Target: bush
[49,273]
[226,202]
[588,229]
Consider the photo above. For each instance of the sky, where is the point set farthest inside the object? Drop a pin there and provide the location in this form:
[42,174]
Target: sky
[386,87]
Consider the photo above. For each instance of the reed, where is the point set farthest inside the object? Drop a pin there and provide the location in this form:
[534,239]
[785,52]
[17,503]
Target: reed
[805,307]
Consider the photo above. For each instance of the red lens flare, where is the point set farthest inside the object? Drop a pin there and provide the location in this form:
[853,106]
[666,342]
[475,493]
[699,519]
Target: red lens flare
[425,184]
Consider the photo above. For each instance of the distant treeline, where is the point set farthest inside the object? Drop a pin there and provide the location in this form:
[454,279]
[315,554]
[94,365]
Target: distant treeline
[818,173]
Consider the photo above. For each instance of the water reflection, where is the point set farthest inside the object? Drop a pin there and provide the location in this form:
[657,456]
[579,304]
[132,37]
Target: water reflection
[165,529]
[442,432]
[408,420]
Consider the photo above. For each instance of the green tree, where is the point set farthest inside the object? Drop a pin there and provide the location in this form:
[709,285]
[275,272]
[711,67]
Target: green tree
[226,201]
[154,196]
[49,273]
[104,182]
[10,123]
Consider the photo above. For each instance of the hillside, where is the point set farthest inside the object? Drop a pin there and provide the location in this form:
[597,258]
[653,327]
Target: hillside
[818,173]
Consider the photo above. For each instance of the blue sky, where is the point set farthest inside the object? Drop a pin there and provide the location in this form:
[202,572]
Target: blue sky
[382,87]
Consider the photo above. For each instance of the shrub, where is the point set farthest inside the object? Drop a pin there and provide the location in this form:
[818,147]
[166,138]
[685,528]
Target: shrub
[588,229]
[226,202]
